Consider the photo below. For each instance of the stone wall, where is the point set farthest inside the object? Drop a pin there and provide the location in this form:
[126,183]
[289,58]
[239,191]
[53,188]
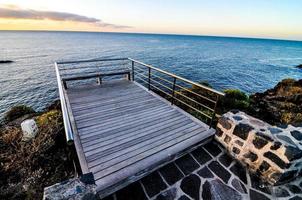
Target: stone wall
[81,188]
[272,153]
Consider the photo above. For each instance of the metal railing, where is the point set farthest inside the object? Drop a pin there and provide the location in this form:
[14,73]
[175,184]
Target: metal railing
[66,119]
[197,99]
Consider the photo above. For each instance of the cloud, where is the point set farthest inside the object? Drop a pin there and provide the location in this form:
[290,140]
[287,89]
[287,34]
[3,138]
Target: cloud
[14,12]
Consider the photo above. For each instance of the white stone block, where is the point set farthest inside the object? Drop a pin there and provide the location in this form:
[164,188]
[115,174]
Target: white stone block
[29,128]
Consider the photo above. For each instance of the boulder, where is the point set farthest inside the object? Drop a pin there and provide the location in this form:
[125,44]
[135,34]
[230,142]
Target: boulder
[272,153]
[77,188]
[299,66]
[279,105]
[217,190]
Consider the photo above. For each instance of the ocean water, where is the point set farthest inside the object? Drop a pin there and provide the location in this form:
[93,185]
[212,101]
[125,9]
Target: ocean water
[251,65]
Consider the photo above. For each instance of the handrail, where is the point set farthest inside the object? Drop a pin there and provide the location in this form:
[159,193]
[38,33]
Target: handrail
[91,60]
[178,77]
[66,120]
[204,103]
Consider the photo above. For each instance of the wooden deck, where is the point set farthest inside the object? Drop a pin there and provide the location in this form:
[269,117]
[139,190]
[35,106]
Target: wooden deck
[122,131]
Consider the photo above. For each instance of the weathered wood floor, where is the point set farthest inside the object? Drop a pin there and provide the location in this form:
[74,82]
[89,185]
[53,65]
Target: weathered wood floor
[124,131]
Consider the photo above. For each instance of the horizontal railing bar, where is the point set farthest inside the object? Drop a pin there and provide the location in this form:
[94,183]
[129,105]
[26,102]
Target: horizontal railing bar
[154,81]
[194,108]
[91,67]
[201,96]
[91,60]
[155,87]
[206,107]
[177,99]
[95,76]
[178,77]
[161,78]
[87,73]
[181,93]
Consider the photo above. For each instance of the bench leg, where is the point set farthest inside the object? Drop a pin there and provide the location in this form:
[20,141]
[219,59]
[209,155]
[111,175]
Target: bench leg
[99,80]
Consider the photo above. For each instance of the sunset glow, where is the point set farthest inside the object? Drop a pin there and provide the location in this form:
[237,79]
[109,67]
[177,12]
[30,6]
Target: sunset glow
[268,19]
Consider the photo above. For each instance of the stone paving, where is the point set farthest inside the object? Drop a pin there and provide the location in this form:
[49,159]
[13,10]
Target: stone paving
[205,173]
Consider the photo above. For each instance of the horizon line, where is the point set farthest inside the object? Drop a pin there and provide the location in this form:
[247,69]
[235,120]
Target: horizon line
[147,33]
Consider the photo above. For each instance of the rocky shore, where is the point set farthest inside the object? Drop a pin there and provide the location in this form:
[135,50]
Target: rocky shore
[27,167]
[279,105]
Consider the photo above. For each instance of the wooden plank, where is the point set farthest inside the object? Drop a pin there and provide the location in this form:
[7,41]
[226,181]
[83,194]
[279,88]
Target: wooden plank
[77,141]
[114,104]
[85,137]
[84,133]
[123,115]
[108,111]
[130,128]
[110,160]
[102,173]
[111,111]
[132,131]
[110,101]
[99,95]
[132,139]
[113,182]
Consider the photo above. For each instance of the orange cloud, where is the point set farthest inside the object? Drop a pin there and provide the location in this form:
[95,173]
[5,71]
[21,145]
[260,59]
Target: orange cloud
[11,13]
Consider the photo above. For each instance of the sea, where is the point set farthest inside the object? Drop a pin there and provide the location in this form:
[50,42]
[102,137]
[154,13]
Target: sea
[251,65]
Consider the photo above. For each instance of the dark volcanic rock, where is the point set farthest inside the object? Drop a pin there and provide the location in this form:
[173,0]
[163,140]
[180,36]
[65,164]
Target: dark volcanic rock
[217,190]
[171,173]
[225,159]
[187,164]
[293,153]
[273,157]
[299,66]
[239,171]
[280,105]
[254,195]
[220,171]
[205,173]
[212,148]
[133,191]
[225,123]
[153,184]
[242,130]
[201,155]
[191,186]
[167,195]
[294,189]
[297,135]
[238,186]
[281,192]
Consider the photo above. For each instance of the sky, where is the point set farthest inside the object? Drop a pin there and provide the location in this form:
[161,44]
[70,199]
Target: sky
[240,18]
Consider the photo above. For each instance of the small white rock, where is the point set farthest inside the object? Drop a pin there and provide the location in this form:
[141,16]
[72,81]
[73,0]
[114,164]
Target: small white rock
[29,128]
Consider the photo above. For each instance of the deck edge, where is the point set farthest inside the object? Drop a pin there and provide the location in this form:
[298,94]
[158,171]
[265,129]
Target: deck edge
[77,141]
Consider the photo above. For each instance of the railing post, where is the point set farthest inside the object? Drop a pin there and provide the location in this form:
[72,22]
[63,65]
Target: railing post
[149,79]
[99,80]
[214,112]
[173,90]
[64,85]
[132,63]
